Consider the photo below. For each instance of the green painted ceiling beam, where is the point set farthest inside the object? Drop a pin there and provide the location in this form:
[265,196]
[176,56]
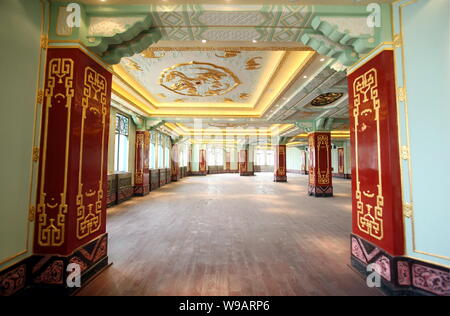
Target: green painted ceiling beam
[114,32]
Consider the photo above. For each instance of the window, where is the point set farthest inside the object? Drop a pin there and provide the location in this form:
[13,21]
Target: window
[210,157]
[152,151]
[160,152]
[270,161]
[264,157]
[260,157]
[121,143]
[215,156]
[219,157]
[167,154]
[181,156]
[184,156]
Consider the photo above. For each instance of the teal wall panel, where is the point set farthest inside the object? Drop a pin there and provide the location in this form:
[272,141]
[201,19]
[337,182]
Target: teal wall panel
[424,125]
[20,21]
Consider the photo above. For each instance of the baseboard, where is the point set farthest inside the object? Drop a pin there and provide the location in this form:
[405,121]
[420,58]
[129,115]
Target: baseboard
[400,276]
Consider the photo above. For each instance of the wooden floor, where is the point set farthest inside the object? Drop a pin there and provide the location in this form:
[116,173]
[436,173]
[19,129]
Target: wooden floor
[231,235]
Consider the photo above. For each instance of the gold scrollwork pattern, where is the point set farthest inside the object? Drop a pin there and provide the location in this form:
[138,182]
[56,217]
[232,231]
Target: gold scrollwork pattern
[323,176]
[369,216]
[51,229]
[89,217]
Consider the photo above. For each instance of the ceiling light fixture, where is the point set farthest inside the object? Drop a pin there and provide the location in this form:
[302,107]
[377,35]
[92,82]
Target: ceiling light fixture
[322,59]
[204,41]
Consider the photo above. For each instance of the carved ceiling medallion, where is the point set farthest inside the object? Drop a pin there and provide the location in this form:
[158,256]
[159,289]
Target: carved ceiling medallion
[199,79]
[326,98]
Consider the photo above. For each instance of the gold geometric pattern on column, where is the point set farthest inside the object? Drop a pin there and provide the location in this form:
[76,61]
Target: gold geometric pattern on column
[51,232]
[366,88]
[89,216]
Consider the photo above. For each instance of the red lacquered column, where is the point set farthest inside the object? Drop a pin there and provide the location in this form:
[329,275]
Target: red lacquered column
[320,169]
[71,201]
[280,173]
[142,175]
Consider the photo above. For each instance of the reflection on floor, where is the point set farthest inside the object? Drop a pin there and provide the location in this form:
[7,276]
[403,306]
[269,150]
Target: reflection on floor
[231,235]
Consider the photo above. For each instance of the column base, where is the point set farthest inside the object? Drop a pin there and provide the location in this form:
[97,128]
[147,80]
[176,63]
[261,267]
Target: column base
[400,276]
[320,191]
[280,179]
[247,174]
[46,275]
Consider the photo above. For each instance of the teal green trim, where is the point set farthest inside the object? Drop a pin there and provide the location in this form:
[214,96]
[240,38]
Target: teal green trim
[134,40]
[132,47]
[344,55]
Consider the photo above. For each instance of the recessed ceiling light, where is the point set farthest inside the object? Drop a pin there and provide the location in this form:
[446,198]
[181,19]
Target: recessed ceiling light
[255,41]
[305,77]
[204,41]
[322,59]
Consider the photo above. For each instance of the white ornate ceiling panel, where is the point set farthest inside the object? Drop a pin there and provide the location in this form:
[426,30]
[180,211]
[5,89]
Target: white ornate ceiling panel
[203,78]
